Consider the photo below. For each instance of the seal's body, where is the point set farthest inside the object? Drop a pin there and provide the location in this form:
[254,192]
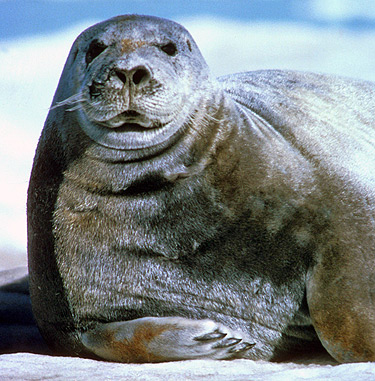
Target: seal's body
[173,216]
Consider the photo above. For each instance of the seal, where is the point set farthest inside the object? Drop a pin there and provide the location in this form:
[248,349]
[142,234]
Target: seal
[175,216]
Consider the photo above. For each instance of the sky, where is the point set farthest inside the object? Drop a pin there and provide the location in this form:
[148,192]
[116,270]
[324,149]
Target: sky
[335,36]
[25,17]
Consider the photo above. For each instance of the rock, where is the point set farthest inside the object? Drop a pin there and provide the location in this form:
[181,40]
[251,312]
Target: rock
[18,330]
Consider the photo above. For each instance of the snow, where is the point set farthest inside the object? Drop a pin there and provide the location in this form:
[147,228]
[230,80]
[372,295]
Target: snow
[31,367]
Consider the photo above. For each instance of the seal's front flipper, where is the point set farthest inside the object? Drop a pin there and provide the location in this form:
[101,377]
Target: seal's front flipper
[153,339]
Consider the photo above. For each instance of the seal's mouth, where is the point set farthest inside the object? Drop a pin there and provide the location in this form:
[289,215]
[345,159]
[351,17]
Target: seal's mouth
[135,127]
[130,114]
[132,121]
[129,129]
[129,125]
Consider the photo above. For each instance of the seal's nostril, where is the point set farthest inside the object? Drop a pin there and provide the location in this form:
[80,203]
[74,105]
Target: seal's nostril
[121,75]
[95,89]
[137,76]
[140,76]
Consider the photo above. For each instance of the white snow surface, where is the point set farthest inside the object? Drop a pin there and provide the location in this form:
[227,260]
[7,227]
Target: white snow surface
[24,366]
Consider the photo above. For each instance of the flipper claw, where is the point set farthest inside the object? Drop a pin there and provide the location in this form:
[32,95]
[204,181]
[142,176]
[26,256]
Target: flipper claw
[212,336]
[228,342]
[243,347]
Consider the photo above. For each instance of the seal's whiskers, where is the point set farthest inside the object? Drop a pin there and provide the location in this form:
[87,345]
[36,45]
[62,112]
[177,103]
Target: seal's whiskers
[75,99]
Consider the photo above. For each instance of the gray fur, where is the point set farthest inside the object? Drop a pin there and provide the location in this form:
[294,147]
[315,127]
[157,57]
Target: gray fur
[252,208]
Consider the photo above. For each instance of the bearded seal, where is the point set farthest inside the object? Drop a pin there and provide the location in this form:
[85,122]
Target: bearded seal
[175,216]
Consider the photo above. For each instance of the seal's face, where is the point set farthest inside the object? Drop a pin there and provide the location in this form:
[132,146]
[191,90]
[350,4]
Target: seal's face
[136,82]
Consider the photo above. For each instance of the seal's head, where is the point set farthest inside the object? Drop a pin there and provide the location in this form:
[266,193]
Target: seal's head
[135,81]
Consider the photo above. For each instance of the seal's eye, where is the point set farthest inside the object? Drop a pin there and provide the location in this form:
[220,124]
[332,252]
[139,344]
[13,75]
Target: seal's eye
[95,49]
[170,49]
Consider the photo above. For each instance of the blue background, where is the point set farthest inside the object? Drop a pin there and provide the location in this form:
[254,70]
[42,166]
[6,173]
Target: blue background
[19,18]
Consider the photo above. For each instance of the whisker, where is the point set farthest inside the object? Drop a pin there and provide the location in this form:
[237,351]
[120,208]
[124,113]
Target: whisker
[74,108]
[72,100]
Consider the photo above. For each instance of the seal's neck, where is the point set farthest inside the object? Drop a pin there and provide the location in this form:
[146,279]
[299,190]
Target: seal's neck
[103,170]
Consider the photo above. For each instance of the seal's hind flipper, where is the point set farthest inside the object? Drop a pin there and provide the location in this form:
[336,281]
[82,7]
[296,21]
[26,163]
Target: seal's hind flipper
[340,295]
[154,339]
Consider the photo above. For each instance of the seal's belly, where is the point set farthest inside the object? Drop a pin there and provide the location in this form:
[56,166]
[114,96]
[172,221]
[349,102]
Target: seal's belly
[250,275]
[133,286]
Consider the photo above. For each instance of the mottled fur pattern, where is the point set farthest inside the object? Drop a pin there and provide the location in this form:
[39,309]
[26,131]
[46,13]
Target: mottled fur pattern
[240,210]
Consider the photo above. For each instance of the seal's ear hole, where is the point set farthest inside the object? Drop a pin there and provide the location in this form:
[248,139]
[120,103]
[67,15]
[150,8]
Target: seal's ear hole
[95,49]
[170,49]
[189,45]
